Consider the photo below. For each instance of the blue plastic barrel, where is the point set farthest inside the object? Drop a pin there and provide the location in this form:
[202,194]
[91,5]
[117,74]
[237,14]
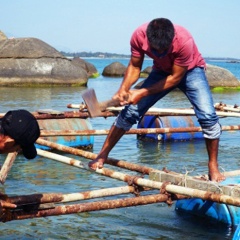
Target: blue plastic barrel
[67,124]
[170,122]
[236,235]
[226,214]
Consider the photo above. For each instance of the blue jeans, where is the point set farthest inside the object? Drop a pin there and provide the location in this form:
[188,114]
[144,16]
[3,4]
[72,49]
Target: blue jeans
[194,85]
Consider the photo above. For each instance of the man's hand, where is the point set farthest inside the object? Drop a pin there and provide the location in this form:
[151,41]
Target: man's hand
[7,144]
[135,95]
[122,96]
[131,76]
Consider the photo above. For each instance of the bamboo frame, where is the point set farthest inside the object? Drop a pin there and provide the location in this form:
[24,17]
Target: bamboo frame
[85,207]
[196,193]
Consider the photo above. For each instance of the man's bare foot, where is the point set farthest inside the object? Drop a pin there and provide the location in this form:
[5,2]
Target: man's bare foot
[215,175]
[97,163]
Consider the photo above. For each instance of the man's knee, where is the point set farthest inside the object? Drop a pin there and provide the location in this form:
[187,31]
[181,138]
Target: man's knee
[212,132]
[120,122]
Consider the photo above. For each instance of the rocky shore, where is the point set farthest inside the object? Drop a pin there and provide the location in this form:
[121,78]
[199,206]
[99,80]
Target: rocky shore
[32,62]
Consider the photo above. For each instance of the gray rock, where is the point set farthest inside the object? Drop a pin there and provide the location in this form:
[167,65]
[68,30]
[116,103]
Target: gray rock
[30,61]
[217,77]
[147,70]
[90,68]
[220,77]
[2,36]
[115,69]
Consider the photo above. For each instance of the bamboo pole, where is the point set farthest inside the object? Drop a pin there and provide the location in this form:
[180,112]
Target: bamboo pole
[4,204]
[225,107]
[196,193]
[92,156]
[7,166]
[49,133]
[85,207]
[175,111]
[163,111]
[61,115]
[41,198]
[112,161]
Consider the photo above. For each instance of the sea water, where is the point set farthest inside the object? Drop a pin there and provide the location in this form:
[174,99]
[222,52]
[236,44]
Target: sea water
[156,221]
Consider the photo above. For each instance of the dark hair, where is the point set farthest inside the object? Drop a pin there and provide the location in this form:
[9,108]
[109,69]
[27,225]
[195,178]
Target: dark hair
[1,128]
[160,33]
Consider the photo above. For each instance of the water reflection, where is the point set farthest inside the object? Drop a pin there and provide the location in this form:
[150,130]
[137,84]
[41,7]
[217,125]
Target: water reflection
[33,99]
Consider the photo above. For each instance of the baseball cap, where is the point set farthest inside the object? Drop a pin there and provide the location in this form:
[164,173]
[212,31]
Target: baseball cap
[23,127]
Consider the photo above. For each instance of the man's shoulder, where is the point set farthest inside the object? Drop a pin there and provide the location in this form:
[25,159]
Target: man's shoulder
[182,31]
[139,35]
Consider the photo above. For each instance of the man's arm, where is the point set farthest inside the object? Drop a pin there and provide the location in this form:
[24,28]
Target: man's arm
[170,81]
[131,76]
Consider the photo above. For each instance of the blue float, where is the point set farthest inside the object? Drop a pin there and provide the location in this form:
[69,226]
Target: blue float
[222,213]
[236,235]
[170,122]
[67,124]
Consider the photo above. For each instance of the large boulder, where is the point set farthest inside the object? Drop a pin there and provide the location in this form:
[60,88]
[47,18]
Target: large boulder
[31,62]
[2,36]
[115,69]
[221,77]
[217,77]
[90,68]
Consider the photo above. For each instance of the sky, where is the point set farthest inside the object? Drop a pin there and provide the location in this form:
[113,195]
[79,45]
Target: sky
[107,25]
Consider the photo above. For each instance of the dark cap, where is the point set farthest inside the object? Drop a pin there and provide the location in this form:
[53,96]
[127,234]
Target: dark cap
[23,127]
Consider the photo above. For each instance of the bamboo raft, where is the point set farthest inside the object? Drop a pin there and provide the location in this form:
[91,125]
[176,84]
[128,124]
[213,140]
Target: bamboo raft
[157,186]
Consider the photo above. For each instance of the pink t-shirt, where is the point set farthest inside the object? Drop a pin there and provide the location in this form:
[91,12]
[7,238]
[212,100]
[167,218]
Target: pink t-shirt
[183,51]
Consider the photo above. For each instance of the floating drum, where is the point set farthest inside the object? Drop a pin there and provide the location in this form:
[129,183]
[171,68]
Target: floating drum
[219,212]
[170,122]
[67,124]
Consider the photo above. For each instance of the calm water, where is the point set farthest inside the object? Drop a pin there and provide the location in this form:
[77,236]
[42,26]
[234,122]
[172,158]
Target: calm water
[156,221]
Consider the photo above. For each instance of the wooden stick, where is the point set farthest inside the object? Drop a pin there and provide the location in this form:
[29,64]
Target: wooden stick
[176,111]
[112,161]
[40,198]
[222,106]
[196,193]
[49,133]
[86,207]
[63,159]
[7,166]
[92,156]
[165,111]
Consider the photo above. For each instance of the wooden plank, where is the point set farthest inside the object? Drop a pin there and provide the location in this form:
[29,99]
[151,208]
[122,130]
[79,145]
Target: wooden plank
[195,183]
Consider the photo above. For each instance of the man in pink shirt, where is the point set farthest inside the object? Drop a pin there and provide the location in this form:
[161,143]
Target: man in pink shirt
[177,63]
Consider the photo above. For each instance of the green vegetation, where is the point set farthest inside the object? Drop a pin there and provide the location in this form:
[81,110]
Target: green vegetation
[221,89]
[95,75]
